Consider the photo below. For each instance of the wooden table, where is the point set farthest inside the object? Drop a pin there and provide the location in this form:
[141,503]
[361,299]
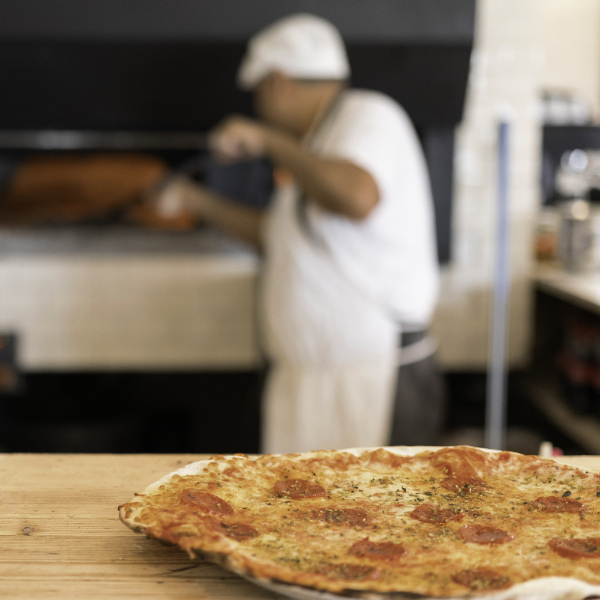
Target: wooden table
[60,534]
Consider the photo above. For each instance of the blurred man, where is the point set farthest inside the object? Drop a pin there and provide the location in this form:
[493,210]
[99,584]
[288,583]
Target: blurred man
[348,242]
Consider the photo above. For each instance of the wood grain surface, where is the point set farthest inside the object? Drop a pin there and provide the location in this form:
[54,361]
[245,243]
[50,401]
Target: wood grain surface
[61,537]
[60,534]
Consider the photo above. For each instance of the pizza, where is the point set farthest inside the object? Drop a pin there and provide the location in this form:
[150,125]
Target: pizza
[446,522]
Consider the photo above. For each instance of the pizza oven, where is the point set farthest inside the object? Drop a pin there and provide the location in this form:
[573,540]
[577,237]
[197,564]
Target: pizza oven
[62,178]
[152,78]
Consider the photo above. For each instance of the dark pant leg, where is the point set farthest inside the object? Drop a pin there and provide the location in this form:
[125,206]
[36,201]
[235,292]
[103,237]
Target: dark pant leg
[419,404]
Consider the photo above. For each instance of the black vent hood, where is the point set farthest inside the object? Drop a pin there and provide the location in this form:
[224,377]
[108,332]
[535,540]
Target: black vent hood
[170,65]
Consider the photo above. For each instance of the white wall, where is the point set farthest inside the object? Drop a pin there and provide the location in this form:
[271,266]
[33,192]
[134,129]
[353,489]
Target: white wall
[521,48]
[571,39]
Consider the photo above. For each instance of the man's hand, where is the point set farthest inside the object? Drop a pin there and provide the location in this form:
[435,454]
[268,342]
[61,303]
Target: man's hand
[177,196]
[182,196]
[336,185]
[238,138]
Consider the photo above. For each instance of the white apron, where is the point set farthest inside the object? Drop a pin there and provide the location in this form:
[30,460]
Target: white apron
[333,350]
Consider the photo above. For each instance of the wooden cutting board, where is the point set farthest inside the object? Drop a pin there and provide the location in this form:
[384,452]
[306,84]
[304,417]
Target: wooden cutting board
[60,534]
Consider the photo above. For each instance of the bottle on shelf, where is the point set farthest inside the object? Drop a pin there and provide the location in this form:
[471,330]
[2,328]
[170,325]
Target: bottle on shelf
[575,365]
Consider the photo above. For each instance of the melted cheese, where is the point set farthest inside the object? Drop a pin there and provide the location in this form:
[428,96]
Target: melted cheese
[451,522]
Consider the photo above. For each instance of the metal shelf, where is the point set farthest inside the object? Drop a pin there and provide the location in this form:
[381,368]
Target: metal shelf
[582,429]
[102,140]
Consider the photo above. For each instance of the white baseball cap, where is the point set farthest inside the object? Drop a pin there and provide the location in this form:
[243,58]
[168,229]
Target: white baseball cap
[302,46]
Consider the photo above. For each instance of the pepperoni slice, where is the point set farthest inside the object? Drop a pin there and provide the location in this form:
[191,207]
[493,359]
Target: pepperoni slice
[349,572]
[463,485]
[576,547]
[205,502]
[431,513]
[238,531]
[378,550]
[554,504]
[482,578]
[484,534]
[298,489]
[342,516]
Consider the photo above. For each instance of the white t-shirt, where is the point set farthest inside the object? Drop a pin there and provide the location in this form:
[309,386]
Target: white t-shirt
[392,253]
[337,290]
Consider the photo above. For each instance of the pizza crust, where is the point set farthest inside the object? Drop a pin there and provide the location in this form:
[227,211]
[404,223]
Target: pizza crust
[549,588]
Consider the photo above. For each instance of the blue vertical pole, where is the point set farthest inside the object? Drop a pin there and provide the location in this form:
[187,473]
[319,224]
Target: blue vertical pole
[495,418]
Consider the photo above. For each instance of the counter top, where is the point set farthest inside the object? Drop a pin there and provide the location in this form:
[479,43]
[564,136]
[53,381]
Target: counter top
[62,538]
[581,289]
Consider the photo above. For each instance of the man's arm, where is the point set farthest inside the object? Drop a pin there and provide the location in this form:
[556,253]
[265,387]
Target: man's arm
[240,221]
[337,185]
